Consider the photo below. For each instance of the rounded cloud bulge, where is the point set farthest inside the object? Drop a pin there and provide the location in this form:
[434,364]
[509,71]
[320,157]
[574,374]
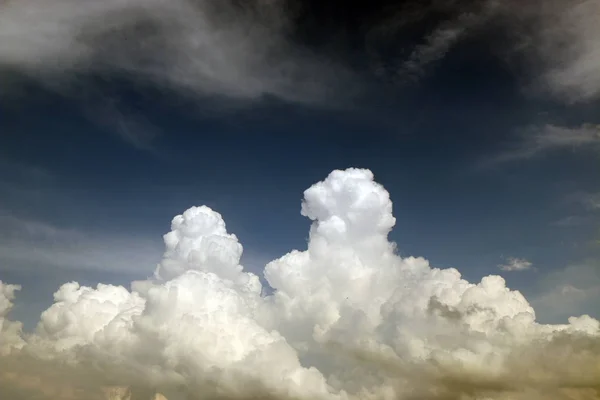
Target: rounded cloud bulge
[348,319]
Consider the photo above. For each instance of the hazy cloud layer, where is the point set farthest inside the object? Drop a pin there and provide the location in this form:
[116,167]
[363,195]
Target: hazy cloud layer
[29,245]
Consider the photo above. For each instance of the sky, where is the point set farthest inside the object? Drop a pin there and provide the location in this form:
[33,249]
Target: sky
[478,117]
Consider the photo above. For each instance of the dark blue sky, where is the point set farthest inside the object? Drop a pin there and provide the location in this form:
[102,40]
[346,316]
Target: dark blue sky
[90,177]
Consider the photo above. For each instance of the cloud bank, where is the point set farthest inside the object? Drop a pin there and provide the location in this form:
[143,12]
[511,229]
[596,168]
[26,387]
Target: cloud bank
[348,319]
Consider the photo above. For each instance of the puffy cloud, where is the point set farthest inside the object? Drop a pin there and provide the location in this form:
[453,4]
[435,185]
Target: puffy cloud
[199,240]
[348,319]
[9,331]
[515,264]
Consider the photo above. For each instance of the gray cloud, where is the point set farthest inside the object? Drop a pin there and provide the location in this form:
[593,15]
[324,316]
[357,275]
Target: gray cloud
[567,42]
[557,41]
[195,46]
[554,43]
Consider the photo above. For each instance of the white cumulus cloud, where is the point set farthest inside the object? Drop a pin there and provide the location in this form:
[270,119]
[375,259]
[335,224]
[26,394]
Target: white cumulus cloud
[348,319]
[9,331]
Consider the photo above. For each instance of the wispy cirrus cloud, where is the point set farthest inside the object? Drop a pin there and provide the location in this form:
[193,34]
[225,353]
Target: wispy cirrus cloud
[555,43]
[439,42]
[537,141]
[197,47]
[224,55]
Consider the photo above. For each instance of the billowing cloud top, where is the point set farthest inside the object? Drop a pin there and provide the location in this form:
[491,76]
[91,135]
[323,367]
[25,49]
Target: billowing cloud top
[348,319]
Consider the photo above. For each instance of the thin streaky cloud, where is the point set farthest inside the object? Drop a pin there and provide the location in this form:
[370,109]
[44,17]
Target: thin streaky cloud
[445,36]
[537,141]
[554,42]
